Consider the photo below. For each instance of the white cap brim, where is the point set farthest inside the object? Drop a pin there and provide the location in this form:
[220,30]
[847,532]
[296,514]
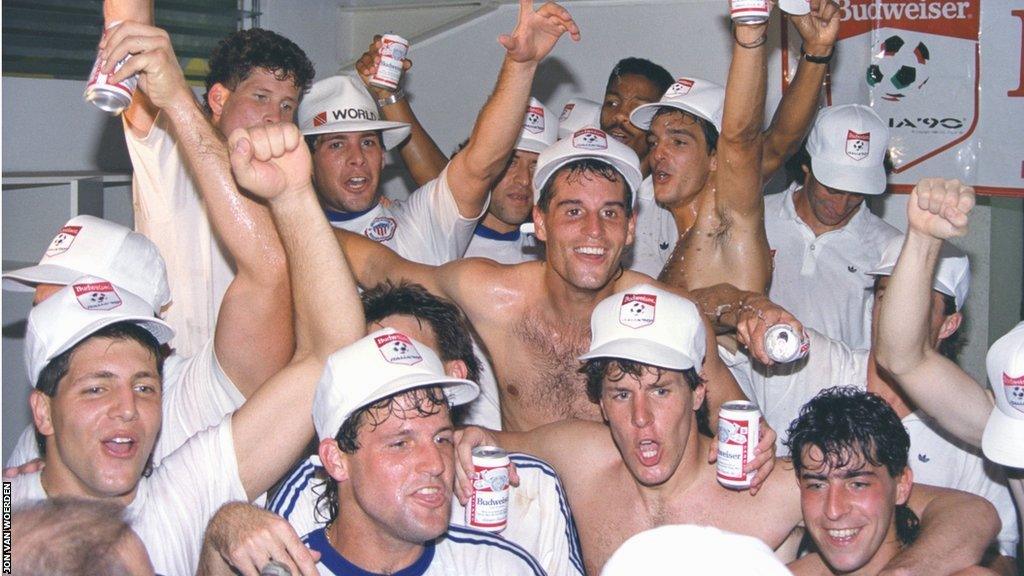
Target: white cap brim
[869,180]
[392,133]
[26,279]
[1003,440]
[643,351]
[938,284]
[643,115]
[531,145]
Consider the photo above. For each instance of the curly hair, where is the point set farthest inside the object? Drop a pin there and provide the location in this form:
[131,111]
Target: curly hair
[235,57]
[654,73]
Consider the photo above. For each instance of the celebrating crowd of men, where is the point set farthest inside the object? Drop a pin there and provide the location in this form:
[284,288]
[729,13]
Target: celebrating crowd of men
[272,295]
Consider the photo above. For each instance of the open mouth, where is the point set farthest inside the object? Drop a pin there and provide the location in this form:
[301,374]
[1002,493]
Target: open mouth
[650,452]
[619,134]
[357,183]
[590,250]
[431,496]
[120,446]
[843,536]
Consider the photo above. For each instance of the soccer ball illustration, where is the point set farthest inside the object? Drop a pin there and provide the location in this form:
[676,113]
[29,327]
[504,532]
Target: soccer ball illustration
[898,68]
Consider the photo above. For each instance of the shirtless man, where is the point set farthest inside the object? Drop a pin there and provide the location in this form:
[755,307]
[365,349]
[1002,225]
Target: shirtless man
[644,466]
[537,314]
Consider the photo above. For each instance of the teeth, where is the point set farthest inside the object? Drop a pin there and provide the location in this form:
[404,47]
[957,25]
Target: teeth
[846,533]
[428,491]
[648,449]
[592,250]
[121,440]
[357,181]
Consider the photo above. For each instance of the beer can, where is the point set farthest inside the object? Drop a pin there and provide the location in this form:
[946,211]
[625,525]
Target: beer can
[487,508]
[749,11]
[739,424]
[393,49]
[783,344]
[106,95]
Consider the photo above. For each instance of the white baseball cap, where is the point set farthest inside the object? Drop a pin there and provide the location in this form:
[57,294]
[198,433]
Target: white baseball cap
[648,325]
[77,311]
[701,549]
[1003,441]
[589,143]
[374,367]
[701,98]
[847,147]
[87,245]
[342,104]
[578,113]
[540,128]
[952,276]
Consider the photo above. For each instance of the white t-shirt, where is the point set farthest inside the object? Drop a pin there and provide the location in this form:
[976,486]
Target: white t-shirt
[539,519]
[172,507]
[509,248]
[656,234]
[170,212]
[780,392]
[197,394]
[427,228]
[823,280]
[458,552]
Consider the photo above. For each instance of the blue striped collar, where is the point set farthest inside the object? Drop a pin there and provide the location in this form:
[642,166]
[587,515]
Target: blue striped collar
[489,233]
[338,216]
[340,566]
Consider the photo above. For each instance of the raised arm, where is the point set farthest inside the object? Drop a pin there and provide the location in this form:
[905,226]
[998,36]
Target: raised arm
[423,158]
[937,210]
[473,170]
[141,113]
[272,162]
[818,31]
[253,333]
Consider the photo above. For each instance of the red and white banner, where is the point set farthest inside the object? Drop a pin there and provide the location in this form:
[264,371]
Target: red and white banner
[947,76]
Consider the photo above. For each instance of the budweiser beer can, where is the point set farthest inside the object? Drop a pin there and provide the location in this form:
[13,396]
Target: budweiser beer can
[783,344]
[106,95]
[738,433]
[393,49]
[749,11]
[488,506]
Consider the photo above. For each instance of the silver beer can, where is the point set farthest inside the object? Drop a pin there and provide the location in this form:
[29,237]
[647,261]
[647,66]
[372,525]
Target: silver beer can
[487,508]
[106,95]
[783,344]
[393,49]
[748,12]
[739,428]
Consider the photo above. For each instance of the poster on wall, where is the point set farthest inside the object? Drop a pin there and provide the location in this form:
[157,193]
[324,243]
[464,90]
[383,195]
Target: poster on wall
[947,76]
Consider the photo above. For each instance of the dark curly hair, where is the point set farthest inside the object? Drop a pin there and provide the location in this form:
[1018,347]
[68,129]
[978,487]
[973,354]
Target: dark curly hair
[235,57]
[850,425]
[654,73]
[586,167]
[597,370]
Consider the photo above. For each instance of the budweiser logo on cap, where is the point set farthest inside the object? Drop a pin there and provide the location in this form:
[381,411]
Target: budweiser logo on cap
[566,112]
[97,296]
[534,122]
[63,240]
[590,139]
[320,119]
[1014,390]
[682,87]
[396,348]
[637,310]
[858,145]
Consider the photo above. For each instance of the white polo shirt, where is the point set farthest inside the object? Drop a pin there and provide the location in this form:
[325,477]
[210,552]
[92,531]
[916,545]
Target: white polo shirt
[426,228]
[172,507]
[505,248]
[539,519]
[822,280]
[656,234]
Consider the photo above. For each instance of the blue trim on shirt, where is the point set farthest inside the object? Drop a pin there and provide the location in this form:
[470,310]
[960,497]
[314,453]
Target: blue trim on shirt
[336,216]
[491,234]
[298,475]
[340,566]
[571,534]
[463,535]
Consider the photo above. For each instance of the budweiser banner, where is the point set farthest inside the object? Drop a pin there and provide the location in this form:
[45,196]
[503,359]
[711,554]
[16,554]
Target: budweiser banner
[948,79]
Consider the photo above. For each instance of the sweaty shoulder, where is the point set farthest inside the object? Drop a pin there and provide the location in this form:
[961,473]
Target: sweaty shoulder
[483,287]
[568,444]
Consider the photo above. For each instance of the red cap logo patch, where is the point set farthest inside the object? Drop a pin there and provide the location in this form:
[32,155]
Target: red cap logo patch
[682,87]
[858,145]
[534,122]
[320,119]
[97,296]
[396,348]
[63,240]
[1014,389]
[637,310]
[566,112]
[590,139]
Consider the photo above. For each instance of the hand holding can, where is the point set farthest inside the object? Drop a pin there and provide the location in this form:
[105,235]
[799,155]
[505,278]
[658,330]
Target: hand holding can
[393,49]
[106,95]
[739,424]
[487,508]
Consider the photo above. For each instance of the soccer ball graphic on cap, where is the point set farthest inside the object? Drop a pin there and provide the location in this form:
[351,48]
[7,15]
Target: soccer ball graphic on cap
[898,68]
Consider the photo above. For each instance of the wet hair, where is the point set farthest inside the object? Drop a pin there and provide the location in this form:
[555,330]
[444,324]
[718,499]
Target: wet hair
[850,425]
[597,370]
[654,73]
[237,55]
[449,324]
[579,168]
[70,537]
[420,403]
[709,130]
[56,369]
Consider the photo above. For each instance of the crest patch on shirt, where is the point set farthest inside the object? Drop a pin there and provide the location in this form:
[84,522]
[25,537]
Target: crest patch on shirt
[397,348]
[63,240]
[97,296]
[637,310]
[381,229]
